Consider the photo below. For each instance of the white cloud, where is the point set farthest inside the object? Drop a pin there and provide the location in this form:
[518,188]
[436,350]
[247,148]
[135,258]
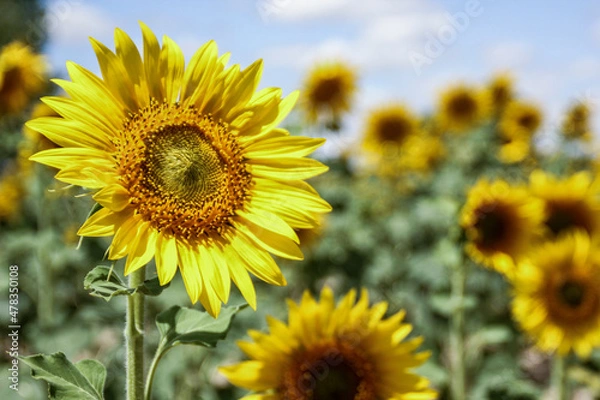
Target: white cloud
[509,55]
[71,22]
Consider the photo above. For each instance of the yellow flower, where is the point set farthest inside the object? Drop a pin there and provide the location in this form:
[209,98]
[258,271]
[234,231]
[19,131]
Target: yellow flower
[388,128]
[514,149]
[501,92]
[22,75]
[328,92]
[576,124]
[557,295]
[329,352]
[12,193]
[571,203]
[520,120]
[461,108]
[187,163]
[33,141]
[422,153]
[500,221]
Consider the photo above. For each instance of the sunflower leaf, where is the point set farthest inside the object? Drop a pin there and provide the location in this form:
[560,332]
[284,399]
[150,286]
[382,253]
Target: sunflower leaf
[181,325]
[103,282]
[67,381]
[152,287]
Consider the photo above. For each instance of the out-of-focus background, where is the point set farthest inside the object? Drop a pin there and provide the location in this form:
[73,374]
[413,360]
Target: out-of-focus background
[394,232]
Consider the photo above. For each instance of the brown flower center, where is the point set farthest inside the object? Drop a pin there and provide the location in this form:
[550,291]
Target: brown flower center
[184,170]
[394,129]
[337,370]
[327,90]
[463,106]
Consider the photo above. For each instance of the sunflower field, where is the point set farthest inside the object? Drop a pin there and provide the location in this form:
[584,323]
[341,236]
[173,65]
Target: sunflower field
[172,229]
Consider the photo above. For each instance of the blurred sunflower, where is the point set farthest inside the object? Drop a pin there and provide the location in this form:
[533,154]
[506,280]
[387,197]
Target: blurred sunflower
[514,149]
[520,120]
[11,188]
[328,352]
[328,92]
[557,295]
[188,165]
[499,221]
[570,203]
[461,107]
[422,153]
[501,92]
[388,128]
[576,124]
[22,75]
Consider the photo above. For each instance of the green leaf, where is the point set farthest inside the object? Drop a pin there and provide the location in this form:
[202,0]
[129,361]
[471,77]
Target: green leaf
[181,325]
[152,287]
[104,282]
[82,381]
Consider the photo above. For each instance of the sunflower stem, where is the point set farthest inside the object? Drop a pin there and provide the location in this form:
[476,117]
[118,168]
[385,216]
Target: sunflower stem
[457,333]
[134,338]
[160,352]
[560,377]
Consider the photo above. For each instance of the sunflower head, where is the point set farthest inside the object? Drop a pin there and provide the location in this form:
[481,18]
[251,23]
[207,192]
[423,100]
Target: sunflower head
[12,191]
[388,129]
[570,203]
[328,92]
[557,295]
[500,221]
[576,124]
[22,75]
[348,352]
[461,108]
[187,163]
[520,120]
[514,149]
[500,92]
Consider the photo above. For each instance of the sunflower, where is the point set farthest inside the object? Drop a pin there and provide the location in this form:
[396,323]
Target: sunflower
[11,188]
[514,149]
[576,124]
[557,295]
[328,92]
[500,92]
[22,75]
[327,352]
[500,221]
[33,141]
[187,163]
[571,203]
[422,153]
[520,120]
[461,107]
[388,128]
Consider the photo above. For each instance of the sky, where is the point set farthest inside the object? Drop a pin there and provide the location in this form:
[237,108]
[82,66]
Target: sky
[403,50]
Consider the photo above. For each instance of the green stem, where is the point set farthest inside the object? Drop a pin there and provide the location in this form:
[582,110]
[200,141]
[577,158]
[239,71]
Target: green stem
[457,333]
[134,338]
[560,377]
[160,352]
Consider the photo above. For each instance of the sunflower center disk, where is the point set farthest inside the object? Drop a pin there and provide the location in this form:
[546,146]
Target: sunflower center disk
[394,130]
[335,371]
[184,171]
[575,300]
[184,164]
[493,228]
[327,90]
[463,106]
[571,294]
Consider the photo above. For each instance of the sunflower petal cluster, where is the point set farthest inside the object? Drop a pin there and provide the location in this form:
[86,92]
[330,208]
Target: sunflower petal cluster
[22,75]
[348,351]
[187,162]
[461,108]
[557,295]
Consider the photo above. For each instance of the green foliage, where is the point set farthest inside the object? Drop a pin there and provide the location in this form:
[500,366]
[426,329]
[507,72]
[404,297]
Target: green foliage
[105,283]
[66,381]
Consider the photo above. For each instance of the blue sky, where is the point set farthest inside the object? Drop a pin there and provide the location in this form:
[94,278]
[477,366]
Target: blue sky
[551,47]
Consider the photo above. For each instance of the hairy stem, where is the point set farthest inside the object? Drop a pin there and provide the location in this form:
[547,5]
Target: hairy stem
[134,338]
